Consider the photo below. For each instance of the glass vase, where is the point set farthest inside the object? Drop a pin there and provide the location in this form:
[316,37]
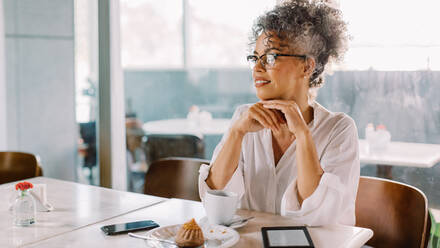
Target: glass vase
[23,209]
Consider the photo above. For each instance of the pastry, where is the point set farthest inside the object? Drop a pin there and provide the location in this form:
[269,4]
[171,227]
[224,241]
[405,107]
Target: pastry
[190,235]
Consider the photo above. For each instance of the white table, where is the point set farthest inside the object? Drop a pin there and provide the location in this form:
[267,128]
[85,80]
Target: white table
[186,126]
[76,206]
[80,211]
[176,211]
[401,154]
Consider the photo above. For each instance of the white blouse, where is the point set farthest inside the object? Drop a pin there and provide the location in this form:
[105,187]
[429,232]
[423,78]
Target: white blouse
[262,186]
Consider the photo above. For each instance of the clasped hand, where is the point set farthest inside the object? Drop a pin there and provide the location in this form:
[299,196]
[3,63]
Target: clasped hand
[272,114]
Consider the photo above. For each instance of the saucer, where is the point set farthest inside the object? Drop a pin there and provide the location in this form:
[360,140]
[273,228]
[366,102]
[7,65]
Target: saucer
[204,221]
[215,236]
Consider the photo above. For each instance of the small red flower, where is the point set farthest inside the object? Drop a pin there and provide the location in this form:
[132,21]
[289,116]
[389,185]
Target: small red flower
[23,186]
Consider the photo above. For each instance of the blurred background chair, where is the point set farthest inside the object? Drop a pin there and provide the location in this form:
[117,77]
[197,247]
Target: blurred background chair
[143,150]
[396,212]
[174,177]
[87,132]
[16,166]
[136,159]
[159,146]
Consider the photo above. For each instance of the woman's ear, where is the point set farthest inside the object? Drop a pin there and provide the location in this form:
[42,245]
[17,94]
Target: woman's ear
[309,66]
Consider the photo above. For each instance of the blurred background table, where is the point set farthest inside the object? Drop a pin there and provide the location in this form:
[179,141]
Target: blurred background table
[400,154]
[187,126]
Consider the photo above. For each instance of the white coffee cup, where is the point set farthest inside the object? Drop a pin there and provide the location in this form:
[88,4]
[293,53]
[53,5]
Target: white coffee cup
[220,206]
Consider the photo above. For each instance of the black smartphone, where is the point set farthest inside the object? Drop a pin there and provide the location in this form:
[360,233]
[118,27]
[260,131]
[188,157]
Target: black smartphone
[129,227]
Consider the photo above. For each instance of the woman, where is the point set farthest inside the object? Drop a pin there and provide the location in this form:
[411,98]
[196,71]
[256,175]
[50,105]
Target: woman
[287,154]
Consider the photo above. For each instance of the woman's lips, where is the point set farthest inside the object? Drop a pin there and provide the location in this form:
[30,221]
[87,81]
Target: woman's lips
[261,83]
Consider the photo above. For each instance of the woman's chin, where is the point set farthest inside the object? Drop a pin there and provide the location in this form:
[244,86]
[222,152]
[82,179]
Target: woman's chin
[266,97]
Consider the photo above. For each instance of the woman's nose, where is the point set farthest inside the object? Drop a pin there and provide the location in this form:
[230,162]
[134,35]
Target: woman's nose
[259,67]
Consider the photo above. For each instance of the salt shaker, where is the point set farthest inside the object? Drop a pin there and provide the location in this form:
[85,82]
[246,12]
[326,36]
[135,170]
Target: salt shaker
[383,139]
[370,136]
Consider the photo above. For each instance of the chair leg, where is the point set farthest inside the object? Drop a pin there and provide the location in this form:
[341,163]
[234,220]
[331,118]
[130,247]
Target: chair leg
[384,171]
[91,176]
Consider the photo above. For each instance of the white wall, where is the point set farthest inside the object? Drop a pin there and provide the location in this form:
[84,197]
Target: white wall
[40,82]
[3,137]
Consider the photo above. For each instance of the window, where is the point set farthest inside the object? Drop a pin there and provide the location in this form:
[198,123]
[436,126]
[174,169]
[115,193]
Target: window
[218,31]
[151,34]
[177,54]
[392,35]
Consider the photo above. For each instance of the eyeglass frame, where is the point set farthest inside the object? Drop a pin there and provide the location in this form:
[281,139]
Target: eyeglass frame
[259,58]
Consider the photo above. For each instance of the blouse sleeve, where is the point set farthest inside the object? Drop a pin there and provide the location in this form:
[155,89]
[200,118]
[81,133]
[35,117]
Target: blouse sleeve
[336,192]
[236,183]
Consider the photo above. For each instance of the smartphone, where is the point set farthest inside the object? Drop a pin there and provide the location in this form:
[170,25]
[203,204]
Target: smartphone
[129,227]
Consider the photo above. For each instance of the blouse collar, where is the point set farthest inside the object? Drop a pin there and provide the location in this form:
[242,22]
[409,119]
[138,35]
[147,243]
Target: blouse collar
[318,113]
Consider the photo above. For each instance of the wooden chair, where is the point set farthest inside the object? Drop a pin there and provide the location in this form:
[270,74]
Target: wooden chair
[159,146]
[174,177]
[396,212]
[16,166]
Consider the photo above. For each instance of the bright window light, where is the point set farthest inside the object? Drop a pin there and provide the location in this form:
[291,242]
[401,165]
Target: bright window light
[392,35]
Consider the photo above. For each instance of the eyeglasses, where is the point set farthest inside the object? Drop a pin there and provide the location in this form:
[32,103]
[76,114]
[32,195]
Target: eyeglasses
[268,60]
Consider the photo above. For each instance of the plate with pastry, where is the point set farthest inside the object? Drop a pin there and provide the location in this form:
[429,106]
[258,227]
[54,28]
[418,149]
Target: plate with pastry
[190,234]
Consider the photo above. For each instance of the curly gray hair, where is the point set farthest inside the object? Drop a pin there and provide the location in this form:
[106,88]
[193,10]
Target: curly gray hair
[312,26]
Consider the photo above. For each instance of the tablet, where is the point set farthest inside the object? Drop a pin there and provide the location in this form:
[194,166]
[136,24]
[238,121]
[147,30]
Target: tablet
[286,237]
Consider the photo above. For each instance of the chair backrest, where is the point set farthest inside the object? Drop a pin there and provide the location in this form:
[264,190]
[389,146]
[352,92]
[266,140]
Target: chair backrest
[87,131]
[396,212]
[159,146]
[16,166]
[174,177]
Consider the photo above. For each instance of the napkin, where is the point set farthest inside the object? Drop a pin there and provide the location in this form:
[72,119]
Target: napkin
[40,196]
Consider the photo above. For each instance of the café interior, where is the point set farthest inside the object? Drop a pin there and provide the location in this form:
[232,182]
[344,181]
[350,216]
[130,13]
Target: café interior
[109,108]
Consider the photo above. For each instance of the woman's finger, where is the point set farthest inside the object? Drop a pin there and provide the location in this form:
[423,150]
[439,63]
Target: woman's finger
[273,116]
[266,116]
[275,106]
[280,116]
[280,102]
[277,115]
[270,113]
[256,115]
[283,107]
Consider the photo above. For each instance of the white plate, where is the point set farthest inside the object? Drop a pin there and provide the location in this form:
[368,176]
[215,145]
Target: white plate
[215,236]
[204,221]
